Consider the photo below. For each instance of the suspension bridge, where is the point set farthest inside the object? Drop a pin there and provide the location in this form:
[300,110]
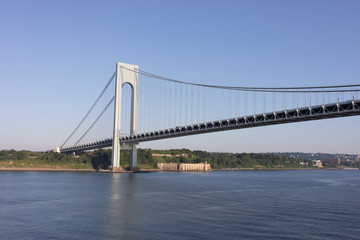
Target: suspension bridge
[137,106]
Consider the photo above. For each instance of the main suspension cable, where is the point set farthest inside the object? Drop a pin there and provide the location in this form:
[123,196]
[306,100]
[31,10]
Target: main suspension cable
[92,107]
[107,106]
[255,89]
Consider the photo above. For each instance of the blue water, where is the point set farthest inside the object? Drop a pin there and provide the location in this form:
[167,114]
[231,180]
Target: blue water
[311,204]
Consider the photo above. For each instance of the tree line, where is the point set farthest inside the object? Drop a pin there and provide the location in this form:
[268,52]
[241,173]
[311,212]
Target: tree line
[148,158]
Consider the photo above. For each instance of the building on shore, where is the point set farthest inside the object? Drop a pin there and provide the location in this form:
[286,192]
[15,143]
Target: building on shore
[317,163]
[168,166]
[184,166]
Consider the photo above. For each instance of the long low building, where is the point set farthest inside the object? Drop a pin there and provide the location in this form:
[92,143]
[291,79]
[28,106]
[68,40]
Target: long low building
[184,166]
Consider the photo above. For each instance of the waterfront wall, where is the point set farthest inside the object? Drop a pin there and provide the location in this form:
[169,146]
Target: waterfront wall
[184,166]
[168,166]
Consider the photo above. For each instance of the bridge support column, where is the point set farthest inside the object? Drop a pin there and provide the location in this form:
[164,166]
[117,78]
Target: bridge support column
[133,160]
[125,73]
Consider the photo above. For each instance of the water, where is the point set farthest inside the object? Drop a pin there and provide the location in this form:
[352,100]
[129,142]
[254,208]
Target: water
[314,204]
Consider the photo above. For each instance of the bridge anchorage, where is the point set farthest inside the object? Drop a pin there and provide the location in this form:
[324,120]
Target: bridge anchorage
[136,106]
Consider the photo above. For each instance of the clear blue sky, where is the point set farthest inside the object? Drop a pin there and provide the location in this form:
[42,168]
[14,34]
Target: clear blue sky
[56,56]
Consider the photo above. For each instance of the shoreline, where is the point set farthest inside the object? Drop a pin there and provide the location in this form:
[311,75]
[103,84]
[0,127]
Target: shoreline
[47,169]
[158,170]
[17,169]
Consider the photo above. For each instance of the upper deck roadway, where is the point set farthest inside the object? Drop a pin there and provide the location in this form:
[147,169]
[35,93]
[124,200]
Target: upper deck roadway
[335,110]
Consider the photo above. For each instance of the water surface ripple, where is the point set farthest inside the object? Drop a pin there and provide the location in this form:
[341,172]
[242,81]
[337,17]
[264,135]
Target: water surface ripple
[314,204]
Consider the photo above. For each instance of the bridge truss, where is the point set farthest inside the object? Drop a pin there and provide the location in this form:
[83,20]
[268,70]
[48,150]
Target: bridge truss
[336,110]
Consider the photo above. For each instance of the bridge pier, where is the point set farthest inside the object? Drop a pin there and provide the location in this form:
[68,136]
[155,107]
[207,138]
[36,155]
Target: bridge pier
[125,73]
[133,160]
[116,169]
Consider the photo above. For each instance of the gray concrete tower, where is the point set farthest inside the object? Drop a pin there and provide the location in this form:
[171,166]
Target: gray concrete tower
[125,73]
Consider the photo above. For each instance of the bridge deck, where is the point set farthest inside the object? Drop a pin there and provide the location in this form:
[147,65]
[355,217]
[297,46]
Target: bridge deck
[335,110]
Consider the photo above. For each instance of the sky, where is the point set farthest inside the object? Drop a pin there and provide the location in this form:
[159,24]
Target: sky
[56,56]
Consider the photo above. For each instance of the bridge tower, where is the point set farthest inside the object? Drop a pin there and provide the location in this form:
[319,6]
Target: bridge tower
[125,73]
